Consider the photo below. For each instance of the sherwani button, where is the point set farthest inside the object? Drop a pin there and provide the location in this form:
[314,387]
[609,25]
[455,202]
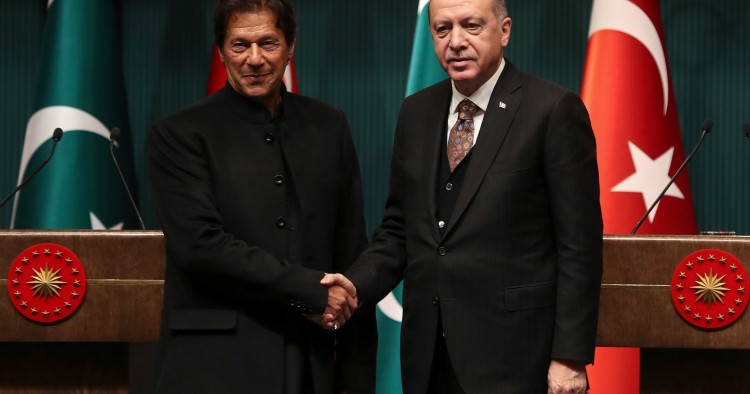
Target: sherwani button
[435,300]
[441,224]
[448,186]
[442,251]
[270,138]
[278,180]
[280,222]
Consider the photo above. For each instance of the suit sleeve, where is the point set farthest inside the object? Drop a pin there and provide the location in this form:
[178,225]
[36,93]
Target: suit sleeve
[380,268]
[194,231]
[356,346]
[573,180]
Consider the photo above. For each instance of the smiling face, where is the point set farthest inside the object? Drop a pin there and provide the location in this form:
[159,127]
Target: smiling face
[469,39]
[255,55]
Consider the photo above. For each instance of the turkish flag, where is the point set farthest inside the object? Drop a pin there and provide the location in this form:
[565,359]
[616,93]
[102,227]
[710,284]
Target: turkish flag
[628,92]
[218,75]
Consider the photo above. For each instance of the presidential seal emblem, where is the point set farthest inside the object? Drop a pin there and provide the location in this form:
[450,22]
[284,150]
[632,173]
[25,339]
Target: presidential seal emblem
[46,283]
[709,289]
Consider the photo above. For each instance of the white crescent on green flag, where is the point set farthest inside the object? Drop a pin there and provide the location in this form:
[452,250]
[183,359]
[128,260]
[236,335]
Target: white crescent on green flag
[424,70]
[80,89]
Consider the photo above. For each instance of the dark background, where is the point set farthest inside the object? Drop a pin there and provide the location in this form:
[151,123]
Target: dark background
[355,55]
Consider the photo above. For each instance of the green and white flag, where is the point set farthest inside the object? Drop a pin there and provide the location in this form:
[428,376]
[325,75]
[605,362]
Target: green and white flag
[80,89]
[424,71]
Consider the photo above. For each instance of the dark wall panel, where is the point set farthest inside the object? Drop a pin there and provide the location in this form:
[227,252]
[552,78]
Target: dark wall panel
[355,55]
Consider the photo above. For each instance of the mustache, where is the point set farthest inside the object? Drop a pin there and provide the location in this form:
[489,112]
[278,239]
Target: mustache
[460,56]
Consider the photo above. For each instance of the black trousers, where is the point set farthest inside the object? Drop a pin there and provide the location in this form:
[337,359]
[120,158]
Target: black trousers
[442,376]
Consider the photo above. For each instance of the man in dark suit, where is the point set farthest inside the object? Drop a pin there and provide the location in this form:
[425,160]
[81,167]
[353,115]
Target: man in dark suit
[259,195]
[492,221]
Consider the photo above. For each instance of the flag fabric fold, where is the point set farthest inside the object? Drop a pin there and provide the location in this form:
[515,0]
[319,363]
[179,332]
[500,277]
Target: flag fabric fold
[628,92]
[81,90]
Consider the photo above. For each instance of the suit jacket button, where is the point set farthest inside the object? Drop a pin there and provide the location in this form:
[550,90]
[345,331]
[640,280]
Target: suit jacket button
[436,300]
[442,251]
[280,222]
[448,186]
[278,180]
[441,224]
[270,138]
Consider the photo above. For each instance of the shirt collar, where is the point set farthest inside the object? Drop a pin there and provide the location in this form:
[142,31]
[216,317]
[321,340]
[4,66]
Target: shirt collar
[480,97]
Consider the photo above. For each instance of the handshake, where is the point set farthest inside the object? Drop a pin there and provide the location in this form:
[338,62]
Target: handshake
[342,302]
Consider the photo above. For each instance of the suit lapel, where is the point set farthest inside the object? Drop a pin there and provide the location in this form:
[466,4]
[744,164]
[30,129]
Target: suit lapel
[500,112]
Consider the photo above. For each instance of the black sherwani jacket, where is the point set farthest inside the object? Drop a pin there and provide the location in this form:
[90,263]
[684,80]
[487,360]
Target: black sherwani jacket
[515,271]
[255,210]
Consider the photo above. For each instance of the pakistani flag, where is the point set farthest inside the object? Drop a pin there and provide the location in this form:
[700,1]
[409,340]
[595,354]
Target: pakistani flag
[424,71]
[80,90]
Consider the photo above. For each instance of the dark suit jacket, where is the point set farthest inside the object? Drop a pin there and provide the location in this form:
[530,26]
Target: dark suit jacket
[516,271]
[254,212]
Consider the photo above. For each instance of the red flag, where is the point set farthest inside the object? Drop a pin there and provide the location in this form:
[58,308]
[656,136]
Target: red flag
[628,92]
[218,75]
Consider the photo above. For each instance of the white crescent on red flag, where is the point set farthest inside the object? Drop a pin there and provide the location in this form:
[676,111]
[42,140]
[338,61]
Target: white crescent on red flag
[628,92]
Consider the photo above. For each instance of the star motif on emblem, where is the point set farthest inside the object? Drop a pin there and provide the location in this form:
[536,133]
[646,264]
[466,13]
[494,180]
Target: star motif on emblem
[733,267]
[708,319]
[730,311]
[68,304]
[45,313]
[74,271]
[738,301]
[681,298]
[723,260]
[15,282]
[649,178]
[58,253]
[679,287]
[58,311]
[76,282]
[74,294]
[697,316]
[711,257]
[19,270]
[68,260]
[689,265]
[46,282]
[35,253]
[25,260]
[17,294]
[687,308]
[33,310]
[709,288]
[739,278]
[741,289]
[720,317]
[47,252]
[24,304]
[682,274]
[700,259]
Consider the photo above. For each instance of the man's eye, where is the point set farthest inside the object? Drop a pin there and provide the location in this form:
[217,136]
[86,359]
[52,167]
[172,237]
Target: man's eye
[269,45]
[441,31]
[238,48]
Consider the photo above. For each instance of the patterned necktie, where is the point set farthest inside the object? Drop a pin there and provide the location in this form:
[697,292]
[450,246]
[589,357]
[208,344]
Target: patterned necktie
[461,137]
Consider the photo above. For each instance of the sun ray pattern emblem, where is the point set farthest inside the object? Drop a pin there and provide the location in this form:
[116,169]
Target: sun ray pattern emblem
[46,283]
[709,290]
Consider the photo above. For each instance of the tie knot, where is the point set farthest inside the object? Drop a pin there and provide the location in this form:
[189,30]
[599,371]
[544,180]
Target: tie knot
[467,109]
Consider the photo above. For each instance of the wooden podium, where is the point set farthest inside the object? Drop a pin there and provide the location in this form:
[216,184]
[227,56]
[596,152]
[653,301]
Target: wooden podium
[636,311]
[89,351]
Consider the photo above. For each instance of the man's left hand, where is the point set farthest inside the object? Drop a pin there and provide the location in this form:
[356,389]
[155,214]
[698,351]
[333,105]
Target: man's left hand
[566,377]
